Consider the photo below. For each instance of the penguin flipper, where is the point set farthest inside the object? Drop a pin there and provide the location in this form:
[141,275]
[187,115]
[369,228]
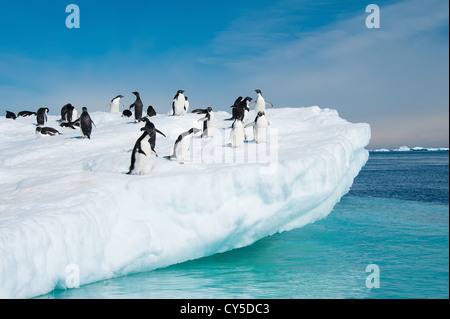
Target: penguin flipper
[199,111]
[253,103]
[249,124]
[131,106]
[160,132]
[268,103]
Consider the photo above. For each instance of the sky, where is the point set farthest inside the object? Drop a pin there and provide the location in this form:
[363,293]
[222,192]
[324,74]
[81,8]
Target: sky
[298,53]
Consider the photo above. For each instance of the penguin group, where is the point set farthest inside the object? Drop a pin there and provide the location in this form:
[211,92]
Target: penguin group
[144,147]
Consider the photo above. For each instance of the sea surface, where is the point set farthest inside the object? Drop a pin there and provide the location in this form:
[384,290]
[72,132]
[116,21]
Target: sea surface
[387,238]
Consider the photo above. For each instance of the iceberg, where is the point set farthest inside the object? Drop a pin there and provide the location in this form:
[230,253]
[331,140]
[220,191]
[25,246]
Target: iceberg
[69,214]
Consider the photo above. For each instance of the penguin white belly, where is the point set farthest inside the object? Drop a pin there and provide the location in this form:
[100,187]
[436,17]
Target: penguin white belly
[237,136]
[141,159]
[74,115]
[212,120]
[115,106]
[260,105]
[179,105]
[260,131]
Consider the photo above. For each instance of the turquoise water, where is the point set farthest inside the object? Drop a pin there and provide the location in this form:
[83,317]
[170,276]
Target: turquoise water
[396,216]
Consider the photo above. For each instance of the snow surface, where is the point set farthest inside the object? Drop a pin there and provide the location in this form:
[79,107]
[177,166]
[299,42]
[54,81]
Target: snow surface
[68,208]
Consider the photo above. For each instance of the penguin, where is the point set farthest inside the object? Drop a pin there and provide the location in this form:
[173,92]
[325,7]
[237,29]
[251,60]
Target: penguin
[85,123]
[235,104]
[241,109]
[25,113]
[10,115]
[179,103]
[260,103]
[41,115]
[115,104]
[46,131]
[260,126]
[127,113]
[237,134]
[68,125]
[151,111]
[138,107]
[186,105]
[182,145]
[144,146]
[68,113]
[208,120]
[151,130]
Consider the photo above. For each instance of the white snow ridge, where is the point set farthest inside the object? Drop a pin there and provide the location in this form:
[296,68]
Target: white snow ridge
[67,207]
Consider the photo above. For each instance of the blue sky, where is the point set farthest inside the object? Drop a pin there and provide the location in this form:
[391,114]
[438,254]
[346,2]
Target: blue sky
[299,53]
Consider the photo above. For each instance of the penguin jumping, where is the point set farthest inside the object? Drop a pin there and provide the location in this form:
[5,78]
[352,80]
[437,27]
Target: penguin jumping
[208,120]
[115,104]
[260,103]
[41,116]
[138,107]
[179,103]
[182,145]
[144,146]
[260,126]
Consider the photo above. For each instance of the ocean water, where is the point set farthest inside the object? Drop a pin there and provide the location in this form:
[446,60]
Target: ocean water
[395,218]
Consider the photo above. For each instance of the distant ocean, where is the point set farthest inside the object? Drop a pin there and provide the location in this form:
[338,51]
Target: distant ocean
[392,228]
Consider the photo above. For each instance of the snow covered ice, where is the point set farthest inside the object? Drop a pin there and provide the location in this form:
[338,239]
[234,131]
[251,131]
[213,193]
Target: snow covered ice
[67,201]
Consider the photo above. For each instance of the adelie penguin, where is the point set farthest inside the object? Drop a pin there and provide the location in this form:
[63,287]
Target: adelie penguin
[25,113]
[179,103]
[10,115]
[46,131]
[182,145]
[237,134]
[41,116]
[208,120]
[144,146]
[68,113]
[260,103]
[138,107]
[240,109]
[260,126]
[115,104]
[151,111]
[85,123]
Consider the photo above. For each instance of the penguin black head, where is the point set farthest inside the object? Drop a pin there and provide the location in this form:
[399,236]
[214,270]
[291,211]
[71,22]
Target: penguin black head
[248,98]
[84,109]
[136,93]
[258,91]
[180,91]
[209,109]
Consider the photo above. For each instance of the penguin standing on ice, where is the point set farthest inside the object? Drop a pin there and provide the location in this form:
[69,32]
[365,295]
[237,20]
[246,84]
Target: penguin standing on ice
[182,145]
[85,123]
[260,126]
[115,104]
[179,103]
[260,103]
[237,134]
[138,107]
[144,146]
[41,115]
[68,113]
[208,120]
